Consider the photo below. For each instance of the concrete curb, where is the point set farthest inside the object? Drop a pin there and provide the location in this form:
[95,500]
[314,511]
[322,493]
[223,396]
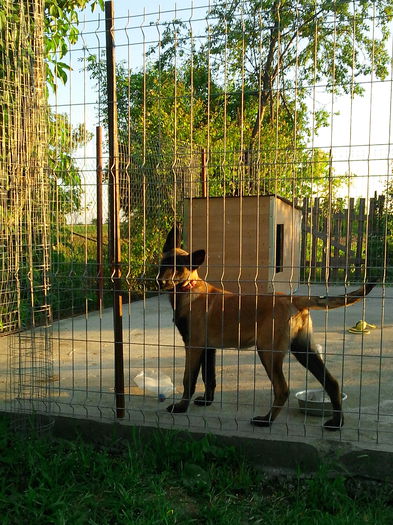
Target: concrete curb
[274,457]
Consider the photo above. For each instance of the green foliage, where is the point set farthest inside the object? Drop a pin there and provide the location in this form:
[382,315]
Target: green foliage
[321,41]
[168,478]
[60,21]
[72,279]
[243,92]
[61,30]
[262,60]
[276,51]
[64,178]
[73,272]
[73,283]
[23,103]
[175,113]
[142,251]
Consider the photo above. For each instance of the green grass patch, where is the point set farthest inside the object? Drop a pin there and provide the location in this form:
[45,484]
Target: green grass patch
[166,480]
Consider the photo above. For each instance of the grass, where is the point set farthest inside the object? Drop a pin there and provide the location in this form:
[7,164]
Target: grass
[168,480]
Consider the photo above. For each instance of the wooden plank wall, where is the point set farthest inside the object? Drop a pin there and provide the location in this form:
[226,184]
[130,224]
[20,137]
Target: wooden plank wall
[334,237]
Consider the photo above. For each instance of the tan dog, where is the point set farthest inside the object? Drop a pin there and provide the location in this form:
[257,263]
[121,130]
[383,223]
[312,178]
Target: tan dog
[208,318]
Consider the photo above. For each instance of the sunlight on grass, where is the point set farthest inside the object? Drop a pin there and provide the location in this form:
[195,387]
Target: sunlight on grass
[168,478]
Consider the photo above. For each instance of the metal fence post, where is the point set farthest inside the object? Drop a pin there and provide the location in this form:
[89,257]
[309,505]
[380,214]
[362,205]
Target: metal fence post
[114,209]
[100,273]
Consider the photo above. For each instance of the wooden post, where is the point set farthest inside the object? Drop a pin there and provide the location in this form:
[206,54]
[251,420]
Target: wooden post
[114,209]
[350,228]
[100,271]
[303,250]
[360,238]
[327,252]
[337,233]
[372,215]
[325,256]
[314,239]
[203,174]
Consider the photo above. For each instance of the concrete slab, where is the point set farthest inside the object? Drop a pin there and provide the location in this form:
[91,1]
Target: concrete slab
[82,380]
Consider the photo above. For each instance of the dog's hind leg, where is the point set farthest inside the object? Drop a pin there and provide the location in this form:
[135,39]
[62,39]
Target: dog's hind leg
[302,349]
[191,371]
[208,363]
[272,361]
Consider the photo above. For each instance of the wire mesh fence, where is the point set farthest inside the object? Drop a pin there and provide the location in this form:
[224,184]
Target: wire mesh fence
[266,132]
[24,208]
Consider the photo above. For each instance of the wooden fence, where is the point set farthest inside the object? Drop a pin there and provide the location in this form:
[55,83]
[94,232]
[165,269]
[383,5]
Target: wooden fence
[339,242]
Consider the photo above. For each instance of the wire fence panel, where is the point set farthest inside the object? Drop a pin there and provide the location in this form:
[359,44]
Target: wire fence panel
[264,133]
[24,209]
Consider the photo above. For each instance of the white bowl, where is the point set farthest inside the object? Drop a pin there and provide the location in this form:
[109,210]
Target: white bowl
[316,402]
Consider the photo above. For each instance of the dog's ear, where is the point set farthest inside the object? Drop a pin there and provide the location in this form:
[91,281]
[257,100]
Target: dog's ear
[173,239]
[196,259]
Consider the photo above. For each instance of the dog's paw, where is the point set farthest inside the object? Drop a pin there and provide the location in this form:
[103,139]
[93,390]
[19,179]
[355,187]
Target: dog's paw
[261,421]
[178,408]
[334,424]
[201,401]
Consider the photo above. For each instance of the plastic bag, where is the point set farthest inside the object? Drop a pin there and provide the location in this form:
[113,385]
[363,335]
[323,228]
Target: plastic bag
[157,383]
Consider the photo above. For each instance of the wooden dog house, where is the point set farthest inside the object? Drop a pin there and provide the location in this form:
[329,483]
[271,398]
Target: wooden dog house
[252,243]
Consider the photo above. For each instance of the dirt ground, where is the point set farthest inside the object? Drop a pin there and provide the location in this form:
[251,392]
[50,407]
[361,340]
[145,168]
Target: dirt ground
[82,380]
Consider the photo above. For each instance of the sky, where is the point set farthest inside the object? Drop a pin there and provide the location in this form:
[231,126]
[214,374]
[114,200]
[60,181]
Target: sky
[360,132]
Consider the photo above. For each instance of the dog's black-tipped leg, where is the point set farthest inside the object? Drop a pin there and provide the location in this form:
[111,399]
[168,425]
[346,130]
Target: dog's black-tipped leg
[334,424]
[208,362]
[261,421]
[178,408]
[203,401]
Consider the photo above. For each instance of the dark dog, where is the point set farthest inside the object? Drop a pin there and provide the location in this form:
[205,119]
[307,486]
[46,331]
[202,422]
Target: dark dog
[208,318]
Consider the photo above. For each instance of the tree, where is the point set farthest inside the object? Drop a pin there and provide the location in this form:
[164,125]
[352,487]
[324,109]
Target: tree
[61,30]
[65,176]
[60,20]
[280,49]
[35,151]
[153,135]
[267,57]
[167,115]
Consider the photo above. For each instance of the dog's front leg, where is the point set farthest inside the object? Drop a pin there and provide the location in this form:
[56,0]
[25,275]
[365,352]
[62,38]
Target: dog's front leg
[193,364]
[208,361]
[272,361]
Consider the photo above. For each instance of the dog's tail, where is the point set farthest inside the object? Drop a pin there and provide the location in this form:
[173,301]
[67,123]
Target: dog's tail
[324,302]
